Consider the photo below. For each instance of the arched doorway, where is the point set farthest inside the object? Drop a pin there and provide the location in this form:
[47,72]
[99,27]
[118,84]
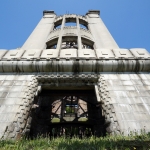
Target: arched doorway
[67,113]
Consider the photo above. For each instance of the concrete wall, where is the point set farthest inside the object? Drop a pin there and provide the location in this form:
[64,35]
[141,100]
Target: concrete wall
[126,99]
[16,96]
[37,39]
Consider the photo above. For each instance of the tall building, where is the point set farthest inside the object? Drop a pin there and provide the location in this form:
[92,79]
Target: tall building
[70,77]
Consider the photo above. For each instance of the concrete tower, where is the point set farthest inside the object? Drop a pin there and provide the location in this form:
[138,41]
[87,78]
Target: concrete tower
[70,77]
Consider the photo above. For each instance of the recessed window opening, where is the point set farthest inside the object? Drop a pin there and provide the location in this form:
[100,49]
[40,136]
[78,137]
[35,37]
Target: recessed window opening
[69,43]
[52,44]
[83,26]
[70,24]
[87,44]
[57,27]
[67,113]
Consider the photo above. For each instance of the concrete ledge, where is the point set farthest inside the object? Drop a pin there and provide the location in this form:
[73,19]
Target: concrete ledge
[75,65]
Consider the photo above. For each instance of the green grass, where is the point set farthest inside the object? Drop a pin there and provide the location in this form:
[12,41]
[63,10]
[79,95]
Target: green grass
[118,142]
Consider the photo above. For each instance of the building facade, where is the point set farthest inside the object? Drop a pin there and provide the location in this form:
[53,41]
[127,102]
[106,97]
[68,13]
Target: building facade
[71,77]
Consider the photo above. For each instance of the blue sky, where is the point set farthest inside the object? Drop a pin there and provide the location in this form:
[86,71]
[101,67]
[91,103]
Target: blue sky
[127,20]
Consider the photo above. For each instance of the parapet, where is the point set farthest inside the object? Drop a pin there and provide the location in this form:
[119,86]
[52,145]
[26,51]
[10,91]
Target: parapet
[93,12]
[48,12]
[73,60]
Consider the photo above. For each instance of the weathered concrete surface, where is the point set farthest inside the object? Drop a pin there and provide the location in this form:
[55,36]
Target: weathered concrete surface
[16,96]
[127,102]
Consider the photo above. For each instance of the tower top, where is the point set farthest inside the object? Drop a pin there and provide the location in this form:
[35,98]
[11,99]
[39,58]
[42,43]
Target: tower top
[93,12]
[48,12]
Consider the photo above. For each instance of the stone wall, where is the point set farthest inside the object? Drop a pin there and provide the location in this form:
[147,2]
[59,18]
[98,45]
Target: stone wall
[124,98]
[16,95]
[127,105]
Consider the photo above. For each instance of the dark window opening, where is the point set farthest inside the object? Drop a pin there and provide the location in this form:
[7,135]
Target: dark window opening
[58,24]
[57,27]
[83,24]
[69,42]
[87,44]
[52,44]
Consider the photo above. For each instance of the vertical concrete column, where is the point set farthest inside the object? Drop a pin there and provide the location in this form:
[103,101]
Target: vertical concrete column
[61,33]
[102,36]
[37,39]
[79,35]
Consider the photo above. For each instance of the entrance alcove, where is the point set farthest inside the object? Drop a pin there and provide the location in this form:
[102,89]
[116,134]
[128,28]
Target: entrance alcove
[67,112]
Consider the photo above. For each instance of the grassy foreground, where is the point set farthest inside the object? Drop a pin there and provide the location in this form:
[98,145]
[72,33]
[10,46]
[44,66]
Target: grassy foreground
[136,142]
